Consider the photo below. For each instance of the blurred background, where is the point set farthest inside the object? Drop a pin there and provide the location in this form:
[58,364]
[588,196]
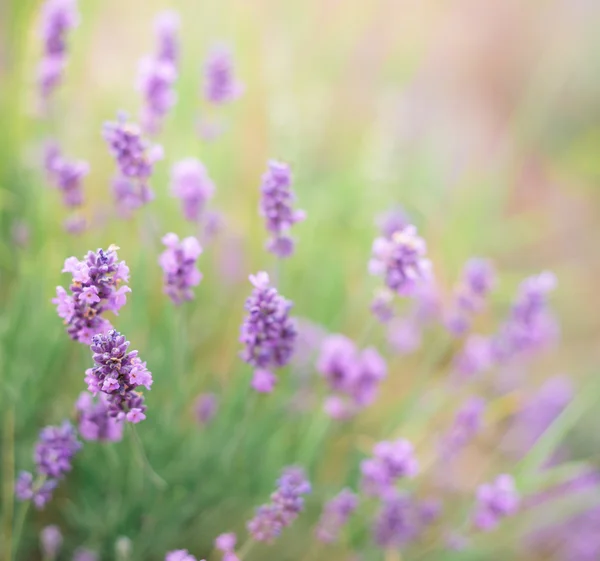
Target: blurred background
[481,119]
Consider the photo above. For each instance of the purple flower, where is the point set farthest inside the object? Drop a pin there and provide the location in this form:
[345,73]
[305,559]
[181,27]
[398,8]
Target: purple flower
[156,80]
[392,221]
[401,520]
[495,501]
[24,486]
[191,184]
[404,335]
[50,540]
[95,421]
[474,358]
[285,506]
[179,555]
[134,155]
[118,374]
[84,554]
[268,333]
[263,381]
[337,361]
[466,425]
[382,305]
[276,205]
[65,175]
[57,18]
[401,261]
[94,290]
[477,281]
[391,461]
[178,262]
[130,195]
[206,407]
[226,542]
[220,84]
[166,27]
[335,515]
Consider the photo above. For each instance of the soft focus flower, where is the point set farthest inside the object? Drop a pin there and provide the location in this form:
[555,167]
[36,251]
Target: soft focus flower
[466,425]
[495,501]
[94,290]
[226,542]
[267,333]
[166,27]
[95,420]
[130,195]
[156,80]
[65,175]
[220,84]
[401,261]
[85,554]
[478,279]
[178,262]
[382,305]
[276,206]
[285,506]
[392,221]
[335,515]
[50,541]
[118,374]
[404,335]
[179,555]
[75,224]
[474,358]
[206,407]
[191,184]
[391,461]
[57,18]
[263,381]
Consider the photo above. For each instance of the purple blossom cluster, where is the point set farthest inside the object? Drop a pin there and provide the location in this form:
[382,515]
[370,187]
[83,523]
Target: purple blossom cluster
[180,555]
[286,504]
[467,423]
[225,543]
[58,17]
[135,158]
[391,461]
[206,408]
[353,376]
[220,84]
[166,28]
[477,281]
[96,288]
[335,515]
[401,260]
[267,333]
[53,457]
[276,206]
[65,175]
[178,262]
[191,184]
[51,540]
[95,419]
[118,374]
[402,519]
[495,501]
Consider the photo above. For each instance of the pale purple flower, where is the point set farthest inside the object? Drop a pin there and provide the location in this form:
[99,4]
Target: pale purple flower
[226,542]
[467,423]
[94,290]
[191,184]
[392,221]
[178,262]
[495,501]
[24,486]
[267,332]
[475,357]
[382,305]
[65,175]
[477,281]
[404,335]
[118,373]
[401,261]
[135,158]
[130,195]
[179,555]
[51,540]
[58,17]
[206,407]
[391,461]
[85,554]
[220,83]
[276,206]
[166,28]
[95,420]
[285,506]
[263,381]
[335,515]
[156,81]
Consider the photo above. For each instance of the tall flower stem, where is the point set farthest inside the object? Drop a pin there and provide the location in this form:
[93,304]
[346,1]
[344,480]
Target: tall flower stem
[144,462]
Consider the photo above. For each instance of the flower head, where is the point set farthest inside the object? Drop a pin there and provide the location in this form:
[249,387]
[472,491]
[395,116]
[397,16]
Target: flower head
[220,84]
[156,81]
[495,501]
[166,27]
[191,184]
[65,175]
[178,262]
[206,407]
[466,425]
[335,515]
[50,540]
[276,207]
[95,420]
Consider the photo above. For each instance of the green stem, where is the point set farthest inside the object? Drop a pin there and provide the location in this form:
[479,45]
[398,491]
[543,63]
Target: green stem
[18,528]
[245,549]
[8,481]
[143,461]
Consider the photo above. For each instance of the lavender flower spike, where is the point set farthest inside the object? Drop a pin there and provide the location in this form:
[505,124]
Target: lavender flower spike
[166,27]
[66,175]
[495,501]
[179,555]
[268,333]
[191,184]
[118,374]
[335,515]
[220,84]
[94,290]
[57,18]
[178,262]
[285,506]
[466,425]
[277,198]
[95,421]
[50,541]
[156,80]
[401,261]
